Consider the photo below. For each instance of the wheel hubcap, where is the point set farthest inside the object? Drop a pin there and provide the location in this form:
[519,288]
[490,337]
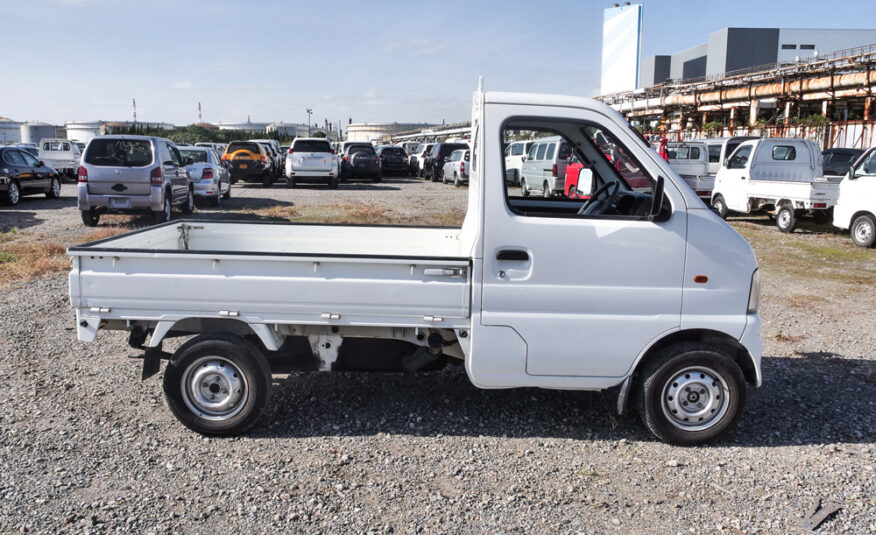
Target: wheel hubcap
[13,192]
[784,218]
[56,187]
[695,399]
[214,388]
[863,232]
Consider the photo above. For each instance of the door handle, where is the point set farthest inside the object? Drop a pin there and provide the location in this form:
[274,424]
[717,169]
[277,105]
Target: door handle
[512,255]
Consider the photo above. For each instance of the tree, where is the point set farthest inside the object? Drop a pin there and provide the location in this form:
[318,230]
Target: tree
[318,133]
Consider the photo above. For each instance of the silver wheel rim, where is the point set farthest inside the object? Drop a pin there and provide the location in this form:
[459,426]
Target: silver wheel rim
[190,201]
[13,192]
[56,187]
[167,209]
[695,399]
[547,190]
[863,231]
[784,218]
[214,388]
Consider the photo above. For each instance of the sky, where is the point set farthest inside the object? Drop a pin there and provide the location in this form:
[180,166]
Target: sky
[369,61]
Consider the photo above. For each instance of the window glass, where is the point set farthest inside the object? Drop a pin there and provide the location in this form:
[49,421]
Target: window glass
[694,153]
[784,152]
[174,156]
[807,47]
[714,153]
[789,47]
[13,157]
[517,149]
[119,152]
[607,169]
[65,146]
[197,156]
[508,150]
[740,158]
[29,160]
[309,145]
[868,166]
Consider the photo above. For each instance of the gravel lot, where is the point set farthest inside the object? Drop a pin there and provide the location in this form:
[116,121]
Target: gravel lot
[87,447]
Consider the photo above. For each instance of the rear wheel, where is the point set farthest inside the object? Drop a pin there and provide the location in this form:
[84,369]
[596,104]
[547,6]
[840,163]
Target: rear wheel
[227,194]
[90,218]
[786,219]
[690,394]
[189,205]
[217,384]
[720,206]
[547,189]
[290,182]
[164,214]
[267,180]
[456,181]
[333,182]
[13,194]
[54,188]
[864,231]
[523,189]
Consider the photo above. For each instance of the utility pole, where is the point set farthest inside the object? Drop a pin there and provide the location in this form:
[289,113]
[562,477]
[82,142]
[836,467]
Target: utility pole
[135,110]
[200,120]
[309,111]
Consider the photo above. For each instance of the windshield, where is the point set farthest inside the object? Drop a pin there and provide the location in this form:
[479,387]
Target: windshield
[197,156]
[394,151]
[364,147]
[311,146]
[119,152]
[243,145]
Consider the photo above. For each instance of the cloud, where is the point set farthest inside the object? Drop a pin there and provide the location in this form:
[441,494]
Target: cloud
[417,46]
[182,86]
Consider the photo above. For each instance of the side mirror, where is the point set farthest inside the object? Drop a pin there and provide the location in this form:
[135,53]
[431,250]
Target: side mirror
[657,200]
[41,163]
[726,162]
[523,159]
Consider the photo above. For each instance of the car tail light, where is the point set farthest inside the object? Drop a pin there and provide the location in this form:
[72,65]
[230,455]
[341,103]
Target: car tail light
[345,158]
[333,152]
[155,175]
[207,173]
[82,174]
[462,167]
[289,151]
[554,170]
[377,160]
[820,205]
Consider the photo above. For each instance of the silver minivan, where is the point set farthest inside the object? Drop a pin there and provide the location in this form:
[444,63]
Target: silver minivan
[544,167]
[124,174]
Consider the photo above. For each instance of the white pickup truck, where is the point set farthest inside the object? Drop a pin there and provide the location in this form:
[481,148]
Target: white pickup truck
[690,159]
[645,292]
[855,208]
[782,175]
[62,155]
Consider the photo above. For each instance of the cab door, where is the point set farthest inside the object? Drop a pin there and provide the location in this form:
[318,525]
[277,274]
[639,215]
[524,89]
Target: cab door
[735,178]
[37,174]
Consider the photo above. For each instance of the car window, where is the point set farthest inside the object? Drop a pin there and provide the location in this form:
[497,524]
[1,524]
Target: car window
[197,156]
[309,145]
[235,146]
[784,152]
[739,158]
[532,151]
[508,150]
[714,153]
[29,160]
[119,152]
[13,157]
[542,148]
[174,155]
[551,148]
[868,166]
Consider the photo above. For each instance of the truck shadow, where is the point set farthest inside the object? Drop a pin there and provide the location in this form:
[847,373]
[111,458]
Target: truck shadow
[813,398]
[11,218]
[804,226]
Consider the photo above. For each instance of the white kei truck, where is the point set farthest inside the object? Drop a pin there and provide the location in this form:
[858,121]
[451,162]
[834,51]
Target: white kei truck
[690,159]
[779,175]
[855,208]
[644,292]
[62,155]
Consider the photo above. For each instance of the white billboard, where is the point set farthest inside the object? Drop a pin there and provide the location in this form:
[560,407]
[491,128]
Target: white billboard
[621,44]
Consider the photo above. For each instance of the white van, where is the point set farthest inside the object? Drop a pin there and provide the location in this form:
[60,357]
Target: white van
[544,167]
[515,153]
[62,155]
[855,208]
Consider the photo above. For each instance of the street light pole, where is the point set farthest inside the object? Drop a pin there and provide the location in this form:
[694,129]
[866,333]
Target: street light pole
[309,111]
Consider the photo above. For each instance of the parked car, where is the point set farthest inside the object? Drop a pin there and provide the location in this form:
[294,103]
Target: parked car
[359,161]
[311,159]
[855,208]
[22,174]
[393,160]
[579,179]
[133,174]
[61,155]
[515,153]
[690,159]
[782,175]
[29,148]
[210,176]
[836,162]
[418,160]
[218,147]
[250,162]
[544,169]
[277,156]
[457,167]
[435,162]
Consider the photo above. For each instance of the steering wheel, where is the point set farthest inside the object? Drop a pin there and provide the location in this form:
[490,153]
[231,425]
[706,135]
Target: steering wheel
[601,199]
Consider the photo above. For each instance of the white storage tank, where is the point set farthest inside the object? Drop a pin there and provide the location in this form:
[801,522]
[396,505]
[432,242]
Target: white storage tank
[83,131]
[10,131]
[34,132]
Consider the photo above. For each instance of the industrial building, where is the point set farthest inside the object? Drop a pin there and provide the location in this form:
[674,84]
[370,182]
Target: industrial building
[248,126]
[10,131]
[732,49]
[380,131]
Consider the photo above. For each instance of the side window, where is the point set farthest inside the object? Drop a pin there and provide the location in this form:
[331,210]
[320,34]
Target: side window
[13,157]
[739,158]
[784,152]
[46,146]
[868,166]
[541,150]
[612,183]
[517,149]
[164,153]
[508,150]
[28,159]
[65,147]
[694,153]
[714,153]
[532,150]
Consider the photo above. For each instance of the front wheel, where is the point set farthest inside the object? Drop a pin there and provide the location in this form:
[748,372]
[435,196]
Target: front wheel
[13,194]
[189,206]
[90,218]
[54,189]
[690,394]
[217,384]
[523,189]
[786,219]
[720,207]
[864,230]
[547,190]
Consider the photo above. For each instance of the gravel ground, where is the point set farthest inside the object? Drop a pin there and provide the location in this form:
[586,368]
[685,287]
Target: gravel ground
[87,447]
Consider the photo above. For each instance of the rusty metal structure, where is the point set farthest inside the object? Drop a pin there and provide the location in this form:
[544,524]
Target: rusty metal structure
[776,100]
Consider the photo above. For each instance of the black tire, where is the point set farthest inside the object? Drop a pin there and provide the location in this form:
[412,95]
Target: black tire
[714,400]
[546,190]
[720,206]
[863,230]
[786,219]
[377,178]
[233,368]
[523,189]
[456,181]
[90,218]
[333,182]
[188,206]
[515,177]
[444,178]
[267,180]
[13,193]
[165,215]
[290,182]
[233,181]
[227,194]
[54,188]
[217,201]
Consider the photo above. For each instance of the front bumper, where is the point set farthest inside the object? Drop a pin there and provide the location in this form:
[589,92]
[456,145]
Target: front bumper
[122,203]
[752,342]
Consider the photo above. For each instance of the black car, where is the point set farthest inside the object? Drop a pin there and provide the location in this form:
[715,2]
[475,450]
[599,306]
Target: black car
[359,161]
[393,160]
[22,174]
[434,164]
[838,161]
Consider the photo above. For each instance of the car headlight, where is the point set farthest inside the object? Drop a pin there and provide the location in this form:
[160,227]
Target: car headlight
[754,293]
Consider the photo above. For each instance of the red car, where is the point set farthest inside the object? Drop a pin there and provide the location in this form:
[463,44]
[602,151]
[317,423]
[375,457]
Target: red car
[574,184]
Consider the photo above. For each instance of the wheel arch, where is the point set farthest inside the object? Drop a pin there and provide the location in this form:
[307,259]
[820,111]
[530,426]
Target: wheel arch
[269,339]
[731,345]
[858,214]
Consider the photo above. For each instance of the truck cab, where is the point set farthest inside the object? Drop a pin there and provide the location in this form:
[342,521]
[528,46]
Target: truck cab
[855,208]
